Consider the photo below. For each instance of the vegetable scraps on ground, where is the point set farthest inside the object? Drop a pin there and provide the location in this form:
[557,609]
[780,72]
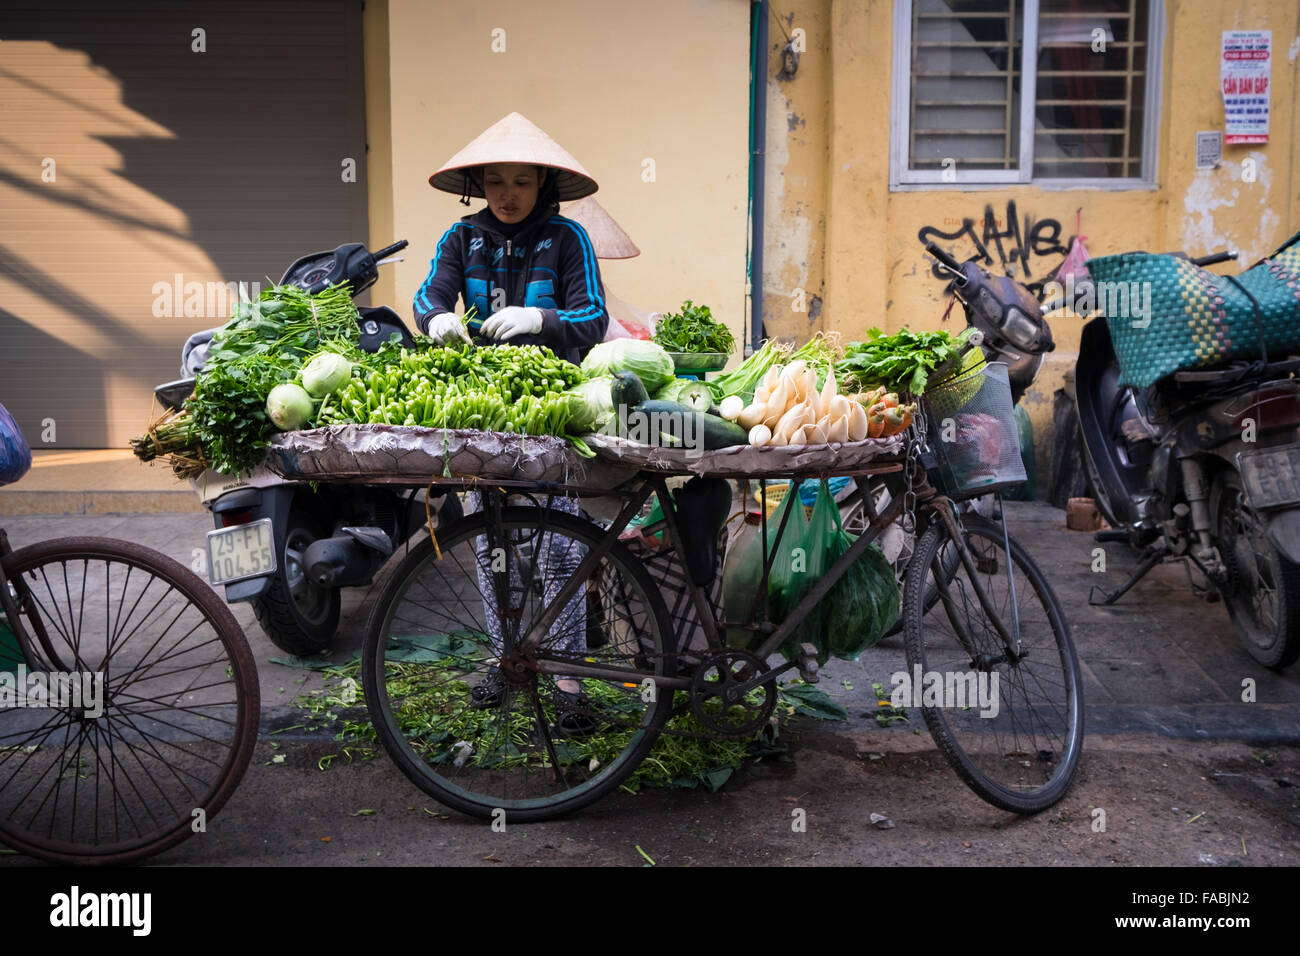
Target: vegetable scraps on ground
[694,330]
[683,755]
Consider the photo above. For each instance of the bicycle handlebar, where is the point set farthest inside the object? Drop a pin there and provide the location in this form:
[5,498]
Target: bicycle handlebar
[1214,258]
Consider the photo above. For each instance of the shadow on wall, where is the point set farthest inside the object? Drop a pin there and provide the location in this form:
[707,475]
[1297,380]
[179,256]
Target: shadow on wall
[139,175]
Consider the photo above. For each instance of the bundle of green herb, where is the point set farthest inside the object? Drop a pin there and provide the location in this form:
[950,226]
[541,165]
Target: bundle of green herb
[693,330]
[901,362]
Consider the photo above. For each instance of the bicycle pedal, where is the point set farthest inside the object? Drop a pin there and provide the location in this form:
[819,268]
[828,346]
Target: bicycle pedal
[807,663]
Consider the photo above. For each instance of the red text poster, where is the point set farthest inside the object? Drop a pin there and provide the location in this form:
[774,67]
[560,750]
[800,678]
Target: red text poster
[1244,73]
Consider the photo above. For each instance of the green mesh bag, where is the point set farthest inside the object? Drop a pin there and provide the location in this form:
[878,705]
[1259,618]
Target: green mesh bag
[1197,319]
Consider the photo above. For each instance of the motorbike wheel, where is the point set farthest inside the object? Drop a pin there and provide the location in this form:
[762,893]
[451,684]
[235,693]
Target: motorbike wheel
[299,617]
[1262,592]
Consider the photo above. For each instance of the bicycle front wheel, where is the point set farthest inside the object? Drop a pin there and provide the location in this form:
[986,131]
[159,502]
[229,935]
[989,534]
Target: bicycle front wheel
[132,712]
[478,721]
[1010,722]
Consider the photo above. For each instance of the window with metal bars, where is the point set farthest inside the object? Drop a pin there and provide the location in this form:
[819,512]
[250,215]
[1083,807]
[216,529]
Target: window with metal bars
[961,113]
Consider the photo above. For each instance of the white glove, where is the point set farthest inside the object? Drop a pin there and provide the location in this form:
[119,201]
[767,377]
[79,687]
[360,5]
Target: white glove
[513,320]
[446,326]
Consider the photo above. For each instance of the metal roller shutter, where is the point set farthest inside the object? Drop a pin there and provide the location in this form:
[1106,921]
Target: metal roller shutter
[145,165]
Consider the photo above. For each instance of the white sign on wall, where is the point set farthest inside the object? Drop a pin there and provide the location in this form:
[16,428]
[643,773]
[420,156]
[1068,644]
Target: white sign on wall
[1209,149]
[1244,72]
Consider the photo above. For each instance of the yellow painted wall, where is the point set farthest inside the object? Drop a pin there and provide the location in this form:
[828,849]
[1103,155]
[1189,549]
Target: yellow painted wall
[615,84]
[799,133]
[875,272]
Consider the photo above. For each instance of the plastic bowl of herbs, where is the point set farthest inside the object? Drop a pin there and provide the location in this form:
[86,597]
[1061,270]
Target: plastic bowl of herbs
[694,339]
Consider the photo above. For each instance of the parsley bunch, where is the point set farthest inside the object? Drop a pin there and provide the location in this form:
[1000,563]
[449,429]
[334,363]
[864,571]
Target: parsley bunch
[693,330]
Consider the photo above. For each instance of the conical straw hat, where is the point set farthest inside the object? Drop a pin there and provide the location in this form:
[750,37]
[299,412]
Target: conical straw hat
[514,140]
[607,237]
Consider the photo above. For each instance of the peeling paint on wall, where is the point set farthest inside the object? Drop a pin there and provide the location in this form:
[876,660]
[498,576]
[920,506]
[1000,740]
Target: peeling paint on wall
[1220,189]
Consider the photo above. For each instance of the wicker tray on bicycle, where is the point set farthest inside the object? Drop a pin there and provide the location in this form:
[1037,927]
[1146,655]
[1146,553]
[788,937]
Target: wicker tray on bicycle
[401,454]
[748,461]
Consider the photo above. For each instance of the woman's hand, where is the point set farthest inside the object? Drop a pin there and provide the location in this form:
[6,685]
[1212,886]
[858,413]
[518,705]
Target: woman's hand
[511,321]
[446,326]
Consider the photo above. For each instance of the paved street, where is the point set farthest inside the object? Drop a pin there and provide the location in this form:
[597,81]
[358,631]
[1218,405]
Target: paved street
[1168,735]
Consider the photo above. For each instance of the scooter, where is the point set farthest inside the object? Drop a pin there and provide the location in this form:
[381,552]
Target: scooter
[318,539]
[1202,468]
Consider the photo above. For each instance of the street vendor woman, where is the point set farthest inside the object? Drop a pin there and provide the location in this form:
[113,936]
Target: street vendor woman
[531,278]
[529,274]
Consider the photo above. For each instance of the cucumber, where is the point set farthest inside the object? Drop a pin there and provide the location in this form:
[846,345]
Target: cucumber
[627,390]
[672,424]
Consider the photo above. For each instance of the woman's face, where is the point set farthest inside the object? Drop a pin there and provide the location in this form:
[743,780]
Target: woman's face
[511,190]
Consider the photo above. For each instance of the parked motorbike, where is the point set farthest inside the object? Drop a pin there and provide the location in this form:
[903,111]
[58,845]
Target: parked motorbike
[1202,468]
[318,539]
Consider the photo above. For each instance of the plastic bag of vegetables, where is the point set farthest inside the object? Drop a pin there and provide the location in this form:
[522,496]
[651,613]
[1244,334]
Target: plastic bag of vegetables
[650,362]
[863,604]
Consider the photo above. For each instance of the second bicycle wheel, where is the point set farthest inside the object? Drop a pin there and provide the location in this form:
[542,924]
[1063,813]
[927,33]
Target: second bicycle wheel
[1010,723]
[139,703]
[467,712]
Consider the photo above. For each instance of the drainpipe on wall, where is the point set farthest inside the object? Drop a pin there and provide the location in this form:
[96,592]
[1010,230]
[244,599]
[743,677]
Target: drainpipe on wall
[758,12]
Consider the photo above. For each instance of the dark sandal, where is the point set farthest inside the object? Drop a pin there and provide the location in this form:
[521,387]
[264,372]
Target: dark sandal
[572,719]
[489,694]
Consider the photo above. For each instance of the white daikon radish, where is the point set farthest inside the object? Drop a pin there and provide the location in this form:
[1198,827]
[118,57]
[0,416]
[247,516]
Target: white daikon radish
[772,377]
[838,430]
[761,394]
[809,390]
[794,369]
[839,407]
[731,407]
[857,422]
[777,440]
[782,398]
[794,418]
[760,435]
[751,416]
[814,435]
[829,391]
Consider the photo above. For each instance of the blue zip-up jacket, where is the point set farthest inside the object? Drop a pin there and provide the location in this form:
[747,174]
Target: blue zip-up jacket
[550,264]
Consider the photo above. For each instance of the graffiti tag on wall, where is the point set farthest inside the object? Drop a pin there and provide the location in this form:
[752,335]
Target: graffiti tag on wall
[1010,241]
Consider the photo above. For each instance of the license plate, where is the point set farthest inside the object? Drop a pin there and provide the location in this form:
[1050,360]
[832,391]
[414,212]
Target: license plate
[241,551]
[1271,476]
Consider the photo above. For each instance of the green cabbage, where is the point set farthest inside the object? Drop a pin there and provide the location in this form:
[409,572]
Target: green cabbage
[652,364]
[687,392]
[289,406]
[326,374]
[590,405]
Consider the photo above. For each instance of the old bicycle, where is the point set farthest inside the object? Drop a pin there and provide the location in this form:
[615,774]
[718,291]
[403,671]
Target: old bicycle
[132,701]
[478,626]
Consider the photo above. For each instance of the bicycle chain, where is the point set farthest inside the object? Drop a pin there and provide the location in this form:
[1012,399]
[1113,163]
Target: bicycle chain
[907,520]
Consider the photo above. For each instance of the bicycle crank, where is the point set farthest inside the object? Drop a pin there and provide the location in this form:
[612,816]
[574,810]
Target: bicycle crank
[730,695]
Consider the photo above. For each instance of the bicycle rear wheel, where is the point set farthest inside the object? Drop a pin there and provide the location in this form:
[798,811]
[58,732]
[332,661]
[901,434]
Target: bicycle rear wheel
[139,703]
[1010,725]
[467,714]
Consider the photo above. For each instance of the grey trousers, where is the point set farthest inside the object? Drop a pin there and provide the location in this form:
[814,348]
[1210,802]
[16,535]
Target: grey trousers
[555,558]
